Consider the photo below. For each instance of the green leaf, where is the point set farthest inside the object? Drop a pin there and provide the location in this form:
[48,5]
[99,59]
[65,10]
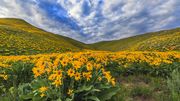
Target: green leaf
[5,99]
[26,97]
[37,98]
[68,99]
[108,93]
[103,86]
[59,99]
[92,90]
[36,84]
[95,90]
[94,98]
[84,88]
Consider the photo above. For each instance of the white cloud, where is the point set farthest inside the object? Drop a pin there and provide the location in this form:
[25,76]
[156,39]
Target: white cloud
[103,20]
[30,12]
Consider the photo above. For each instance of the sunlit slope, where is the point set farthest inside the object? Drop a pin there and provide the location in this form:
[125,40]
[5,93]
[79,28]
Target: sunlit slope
[167,40]
[19,37]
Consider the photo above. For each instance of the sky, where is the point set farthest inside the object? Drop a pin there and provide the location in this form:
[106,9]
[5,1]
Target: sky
[91,21]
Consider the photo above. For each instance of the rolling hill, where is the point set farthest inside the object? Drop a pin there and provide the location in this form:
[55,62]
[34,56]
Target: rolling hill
[166,40]
[19,37]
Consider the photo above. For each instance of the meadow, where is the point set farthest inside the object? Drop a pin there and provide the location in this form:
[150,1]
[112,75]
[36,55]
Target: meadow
[91,76]
[36,65]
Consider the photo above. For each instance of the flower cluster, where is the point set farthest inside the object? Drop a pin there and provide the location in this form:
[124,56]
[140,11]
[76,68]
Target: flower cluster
[48,63]
[80,74]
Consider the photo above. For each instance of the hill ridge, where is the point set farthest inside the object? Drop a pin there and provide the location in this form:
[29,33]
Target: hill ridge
[18,37]
[123,44]
[19,33]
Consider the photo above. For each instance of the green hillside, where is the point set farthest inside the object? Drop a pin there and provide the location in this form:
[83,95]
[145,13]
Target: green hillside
[19,37]
[167,40]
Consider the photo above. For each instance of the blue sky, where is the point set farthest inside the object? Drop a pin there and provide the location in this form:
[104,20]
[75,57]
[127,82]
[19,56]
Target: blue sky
[91,21]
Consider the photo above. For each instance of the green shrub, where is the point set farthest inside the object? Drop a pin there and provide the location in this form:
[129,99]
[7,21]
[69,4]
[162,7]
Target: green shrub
[19,73]
[163,70]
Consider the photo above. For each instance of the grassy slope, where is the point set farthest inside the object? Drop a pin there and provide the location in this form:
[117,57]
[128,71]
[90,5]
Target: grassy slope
[161,41]
[19,37]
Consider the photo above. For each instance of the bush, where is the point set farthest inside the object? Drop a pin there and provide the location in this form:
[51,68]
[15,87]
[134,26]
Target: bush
[18,73]
[68,82]
[163,70]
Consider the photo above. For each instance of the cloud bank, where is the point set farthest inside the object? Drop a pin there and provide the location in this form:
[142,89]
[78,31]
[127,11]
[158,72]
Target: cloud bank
[95,20]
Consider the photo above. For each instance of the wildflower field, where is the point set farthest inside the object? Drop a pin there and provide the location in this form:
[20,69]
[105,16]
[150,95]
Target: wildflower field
[79,76]
[36,65]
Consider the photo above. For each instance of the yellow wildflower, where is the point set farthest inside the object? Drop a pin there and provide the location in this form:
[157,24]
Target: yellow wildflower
[87,75]
[77,76]
[43,89]
[70,92]
[52,77]
[5,77]
[77,64]
[64,62]
[37,71]
[99,78]
[113,81]
[42,95]
[107,76]
[57,83]
[70,72]
[58,74]
[89,66]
